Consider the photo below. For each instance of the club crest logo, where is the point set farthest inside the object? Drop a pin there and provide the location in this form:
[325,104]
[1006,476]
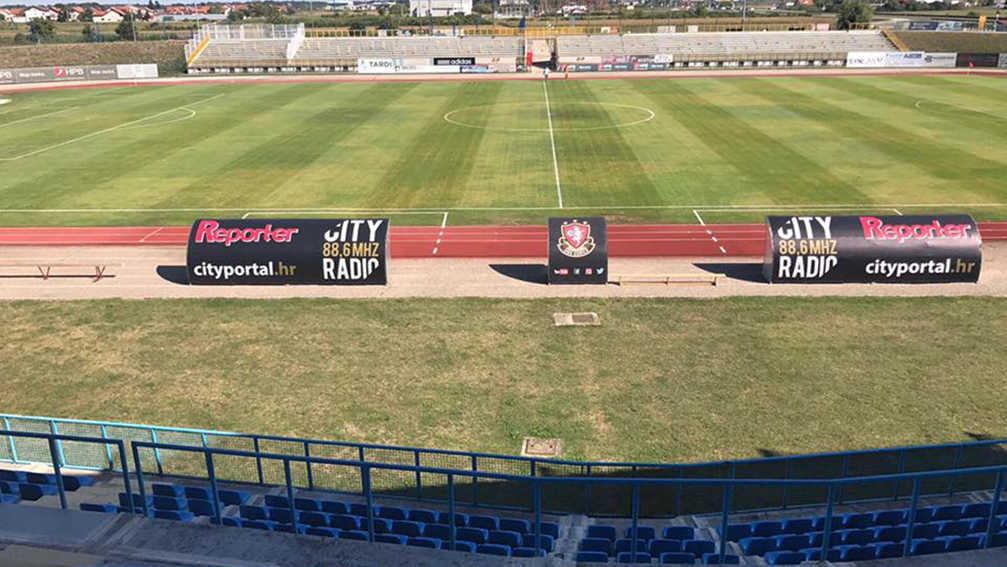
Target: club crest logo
[575,239]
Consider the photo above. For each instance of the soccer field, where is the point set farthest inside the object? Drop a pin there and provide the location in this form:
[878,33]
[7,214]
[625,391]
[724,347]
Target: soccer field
[724,150]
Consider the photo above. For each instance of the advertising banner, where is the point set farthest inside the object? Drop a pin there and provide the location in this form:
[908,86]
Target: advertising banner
[873,249]
[288,252]
[377,66]
[76,73]
[98,72]
[140,71]
[920,26]
[977,60]
[943,60]
[391,66]
[904,59]
[6,76]
[866,58]
[1001,61]
[578,250]
[454,60]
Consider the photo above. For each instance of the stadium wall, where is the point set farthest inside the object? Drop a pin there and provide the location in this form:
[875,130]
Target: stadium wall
[169,56]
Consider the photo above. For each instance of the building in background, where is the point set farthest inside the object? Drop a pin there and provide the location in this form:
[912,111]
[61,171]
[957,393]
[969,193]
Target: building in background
[439,7]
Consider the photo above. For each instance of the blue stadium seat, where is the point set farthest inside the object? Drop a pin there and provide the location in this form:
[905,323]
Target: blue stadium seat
[599,544]
[680,533]
[334,507]
[477,536]
[966,543]
[493,549]
[798,526]
[198,492]
[358,509]
[818,538]
[488,523]
[550,529]
[232,521]
[857,552]
[308,504]
[677,558]
[626,545]
[317,519]
[889,549]
[926,531]
[439,531]
[944,513]
[890,518]
[322,532]
[602,531]
[9,498]
[390,538]
[390,513]
[698,547]
[7,487]
[784,558]
[998,540]
[407,528]
[381,525]
[757,545]
[279,527]
[353,534]
[976,510]
[528,552]
[643,532]
[815,554]
[793,542]
[858,537]
[137,501]
[201,507]
[954,528]
[342,521]
[172,503]
[591,557]
[461,520]
[230,497]
[501,537]
[467,546]
[425,516]
[855,521]
[927,546]
[276,501]
[168,490]
[13,476]
[432,543]
[627,557]
[545,542]
[714,559]
[103,508]
[281,515]
[738,532]
[767,528]
[659,546]
[515,525]
[923,515]
[890,533]
[978,525]
[257,525]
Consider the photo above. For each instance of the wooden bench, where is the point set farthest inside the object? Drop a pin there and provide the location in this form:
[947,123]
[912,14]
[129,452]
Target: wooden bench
[668,279]
[45,268]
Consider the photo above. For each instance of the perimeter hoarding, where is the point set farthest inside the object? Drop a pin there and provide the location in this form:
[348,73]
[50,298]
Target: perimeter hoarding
[873,249]
[578,250]
[288,252]
[977,60]
[61,73]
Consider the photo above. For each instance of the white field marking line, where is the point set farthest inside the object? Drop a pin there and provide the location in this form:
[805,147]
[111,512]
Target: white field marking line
[898,212]
[440,235]
[650,116]
[440,210]
[552,142]
[269,212]
[37,116]
[106,130]
[708,231]
[152,233]
[192,114]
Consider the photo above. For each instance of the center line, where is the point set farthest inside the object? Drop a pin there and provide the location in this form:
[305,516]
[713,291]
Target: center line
[552,142]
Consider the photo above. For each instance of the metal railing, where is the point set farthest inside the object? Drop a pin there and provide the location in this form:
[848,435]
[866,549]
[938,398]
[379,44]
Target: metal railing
[894,460]
[535,484]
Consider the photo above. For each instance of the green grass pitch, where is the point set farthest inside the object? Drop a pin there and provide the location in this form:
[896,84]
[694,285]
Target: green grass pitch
[635,150]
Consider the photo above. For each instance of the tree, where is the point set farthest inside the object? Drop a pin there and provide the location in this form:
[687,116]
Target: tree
[40,30]
[854,13]
[87,32]
[482,8]
[126,28]
[88,15]
[64,14]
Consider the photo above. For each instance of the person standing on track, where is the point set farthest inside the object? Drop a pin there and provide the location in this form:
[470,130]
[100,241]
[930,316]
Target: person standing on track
[545,76]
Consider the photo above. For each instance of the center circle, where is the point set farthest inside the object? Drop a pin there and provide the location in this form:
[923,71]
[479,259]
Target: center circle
[565,117]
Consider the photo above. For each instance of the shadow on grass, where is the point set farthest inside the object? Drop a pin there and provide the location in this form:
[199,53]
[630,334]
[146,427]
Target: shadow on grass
[747,271]
[531,273]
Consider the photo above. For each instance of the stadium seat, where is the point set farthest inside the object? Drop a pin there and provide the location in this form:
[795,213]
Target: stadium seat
[466,546]
[979,525]
[316,519]
[515,525]
[889,549]
[201,507]
[976,510]
[169,503]
[461,520]
[432,543]
[407,528]
[477,536]
[815,554]
[390,538]
[966,543]
[439,531]
[890,533]
[954,528]
[714,559]
[9,498]
[767,528]
[818,538]
[784,558]
[927,546]
[13,476]
[602,531]
[681,533]
[275,501]
[7,487]
[757,545]
[322,532]
[626,545]
[353,534]
[425,516]
[257,525]
[307,504]
[340,521]
[510,539]
[598,544]
[925,531]
[698,547]
[550,529]
[137,500]
[944,513]
[643,532]
[177,515]
[228,497]
[494,549]
[890,518]
[798,526]
[527,552]
[231,521]
[923,515]
[738,532]
[103,508]
[167,490]
[591,557]
[390,513]
[198,492]
[334,507]
[858,537]
[660,546]
[628,557]
[358,509]
[855,521]
[545,542]
[793,542]
[281,515]
[677,558]
[998,540]
[857,552]
[381,525]
[488,523]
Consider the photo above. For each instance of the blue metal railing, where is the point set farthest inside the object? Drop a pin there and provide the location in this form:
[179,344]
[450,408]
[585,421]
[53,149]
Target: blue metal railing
[821,465]
[54,444]
[536,483]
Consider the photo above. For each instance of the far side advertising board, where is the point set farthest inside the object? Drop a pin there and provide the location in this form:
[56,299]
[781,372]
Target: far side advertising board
[578,250]
[288,252]
[873,249]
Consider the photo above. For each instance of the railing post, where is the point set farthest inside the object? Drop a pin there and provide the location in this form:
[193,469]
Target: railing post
[992,518]
[912,517]
[290,493]
[108,449]
[258,460]
[419,475]
[125,469]
[901,469]
[365,475]
[786,490]
[363,482]
[728,496]
[587,494]
[957,462]
[635,507]
[10,440]
[55,468]
[537,504]
[307,466]
[451,511]
[157,452]
[139,483]
[842,488]
[475,481]
[827,534]
[211,474]
[59,445]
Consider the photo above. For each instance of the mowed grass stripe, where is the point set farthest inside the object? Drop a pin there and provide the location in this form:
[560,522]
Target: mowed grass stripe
[780,173]
[434,169]
[946,87]
[592,159]
[984,177]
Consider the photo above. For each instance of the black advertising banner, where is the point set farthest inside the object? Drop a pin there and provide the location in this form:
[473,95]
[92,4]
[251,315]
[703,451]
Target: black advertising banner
[288,251]
[977,59]
[873,249]
[454,60]
[578,250]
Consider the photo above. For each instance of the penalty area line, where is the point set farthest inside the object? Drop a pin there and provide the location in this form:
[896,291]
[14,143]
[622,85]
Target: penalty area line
[552,143]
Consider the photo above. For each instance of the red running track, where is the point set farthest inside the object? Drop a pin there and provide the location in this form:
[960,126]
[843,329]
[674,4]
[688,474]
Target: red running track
[469,241]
